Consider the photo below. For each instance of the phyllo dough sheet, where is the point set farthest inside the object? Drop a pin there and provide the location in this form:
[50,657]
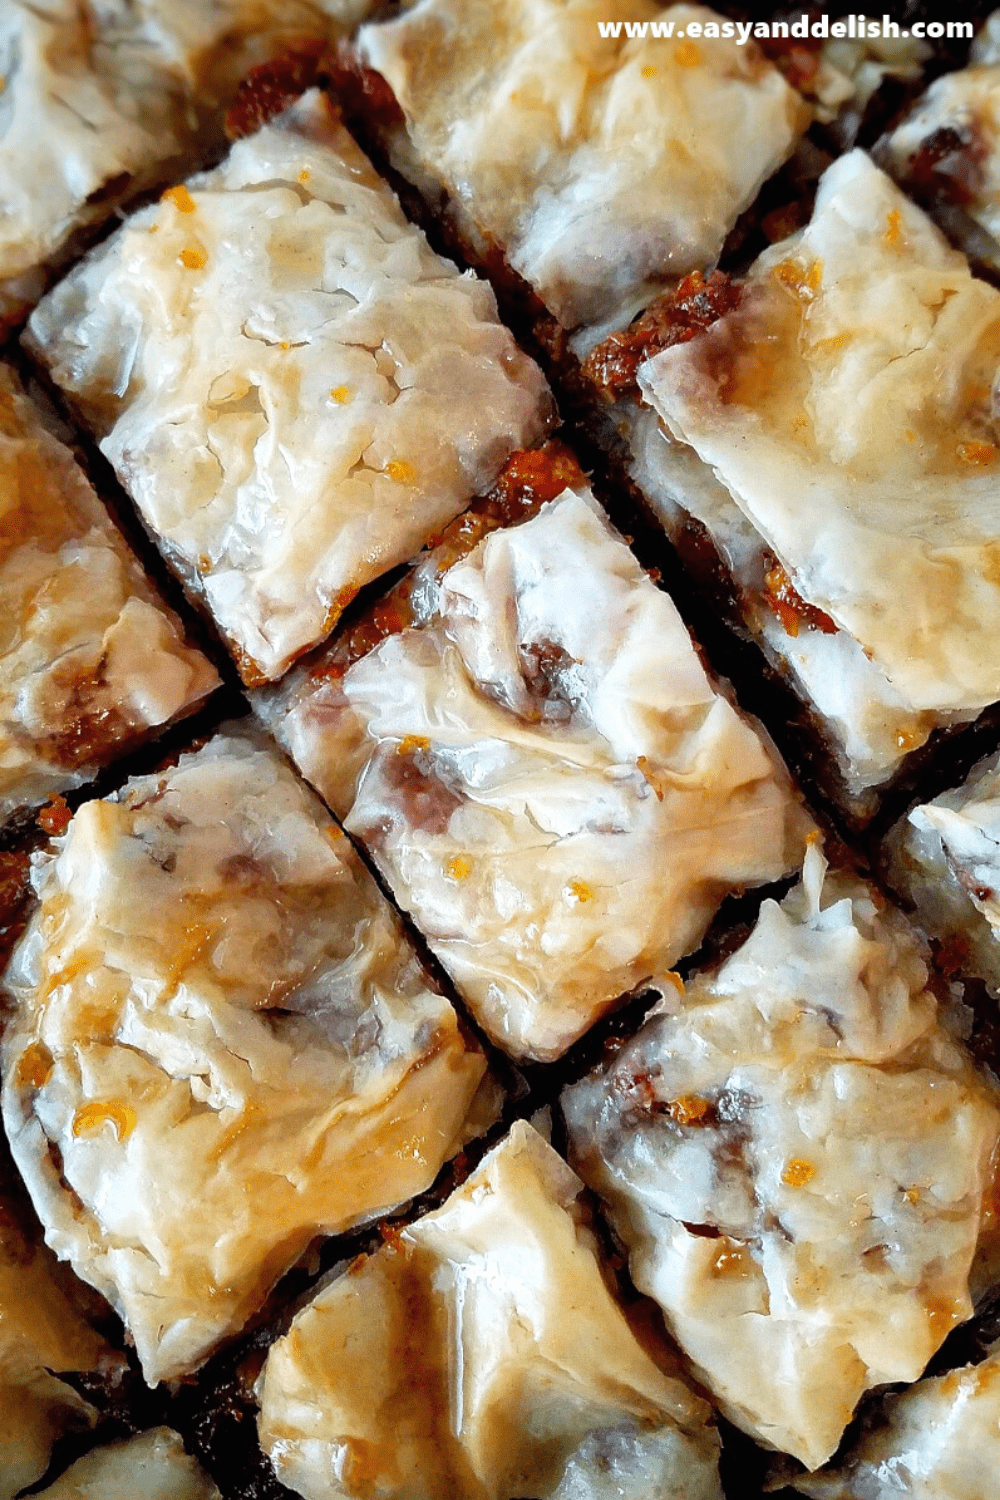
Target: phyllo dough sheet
[91,660]
[481,1356]
[103,99]
[293,388]
[799,1158]
[544,773]
[601,166]
[843,399]
[222,1046]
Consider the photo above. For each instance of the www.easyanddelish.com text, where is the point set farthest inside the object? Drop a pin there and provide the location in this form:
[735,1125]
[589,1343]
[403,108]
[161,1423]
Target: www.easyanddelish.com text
[862,27]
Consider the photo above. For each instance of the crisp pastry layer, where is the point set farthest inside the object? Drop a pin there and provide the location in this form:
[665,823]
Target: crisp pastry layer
[102,99]
[481,1356]
[797,1156]
[545,775]
[294,389]
[601,166]
[43,1334]
[940,1441]
[152,1466]
[91,661]
[944,856]
[222,1046]
[845,405]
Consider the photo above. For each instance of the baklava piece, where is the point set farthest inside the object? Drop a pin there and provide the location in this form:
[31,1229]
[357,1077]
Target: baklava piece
[104,99]
[44,1334]
[798,1158]
[944,857]
[838,418]
[480,1355]
[222,1047]
[91,661]
[601,166]
[293,388]
[544,774]
[153,1466]
[946,151]
[940,1441]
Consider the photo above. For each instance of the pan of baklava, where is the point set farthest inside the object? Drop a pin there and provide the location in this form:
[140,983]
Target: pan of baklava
[499,750]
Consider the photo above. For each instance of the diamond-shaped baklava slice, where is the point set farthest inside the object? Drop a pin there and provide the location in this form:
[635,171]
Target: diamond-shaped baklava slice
[601,159]
[480,1355]
[91,661]
[294,389]
[840,402]
[799,1158]
[544,773]
[221,1046]
[103,99]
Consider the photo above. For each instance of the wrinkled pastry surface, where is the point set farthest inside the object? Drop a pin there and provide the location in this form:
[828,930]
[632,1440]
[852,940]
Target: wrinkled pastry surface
[846,406]
[90,659]
[797,1155]
[482,1357]
[602,167]
[152,1466]
[546,777]
[100,99]
[222,1046]
[295,390]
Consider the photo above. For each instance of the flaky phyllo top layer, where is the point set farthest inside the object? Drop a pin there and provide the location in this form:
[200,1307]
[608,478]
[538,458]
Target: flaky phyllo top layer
[293,387]
[481,1355]
[799,1158]
[846,404]
[602,167]
[543,770]
[103,99]
[223,1046]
